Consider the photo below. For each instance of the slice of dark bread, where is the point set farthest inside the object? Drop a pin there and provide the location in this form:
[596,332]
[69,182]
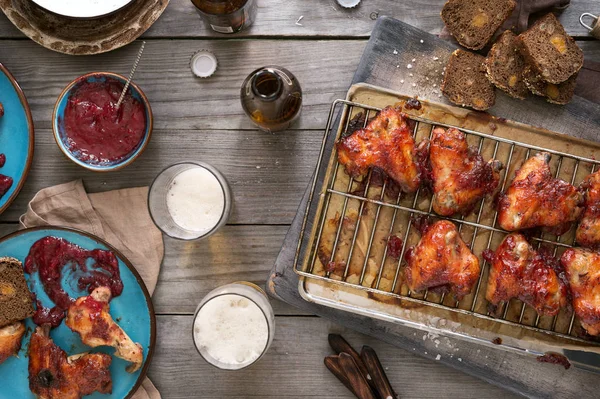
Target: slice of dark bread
[474,22]
[465,82]
[561,93]
[551,52]
[15,298]
[504,66]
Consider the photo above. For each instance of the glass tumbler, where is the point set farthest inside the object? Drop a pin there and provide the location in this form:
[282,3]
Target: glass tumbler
[161,189]
[234,335]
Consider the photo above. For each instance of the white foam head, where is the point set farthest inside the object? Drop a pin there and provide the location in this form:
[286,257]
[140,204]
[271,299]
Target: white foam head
[195,200]
[231,331]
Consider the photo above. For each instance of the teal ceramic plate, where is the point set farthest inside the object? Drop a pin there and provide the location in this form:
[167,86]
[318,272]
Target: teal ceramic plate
[133,308]
[16,135]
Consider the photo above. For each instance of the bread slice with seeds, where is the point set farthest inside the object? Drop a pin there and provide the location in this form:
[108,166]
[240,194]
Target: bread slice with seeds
[561,93]
[505,64]
[552,53]
[474,22]
[15,297]
[465,81]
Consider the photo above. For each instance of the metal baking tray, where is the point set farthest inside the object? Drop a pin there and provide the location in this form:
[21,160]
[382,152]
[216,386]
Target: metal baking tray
[352,220]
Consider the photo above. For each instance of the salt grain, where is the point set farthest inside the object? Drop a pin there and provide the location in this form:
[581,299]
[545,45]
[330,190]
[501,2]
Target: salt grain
[409,66]
[436,58]
[438,357]
[395,51]
[459,359]
[426,78]
[402,81]
[414,59]
[421,40]
[410,74]
[414,85]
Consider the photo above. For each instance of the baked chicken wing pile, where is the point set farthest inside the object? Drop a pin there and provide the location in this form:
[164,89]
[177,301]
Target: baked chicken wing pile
[441,260]
[385,143]
[53,375]
[519,271]
[536,199]
[460,175]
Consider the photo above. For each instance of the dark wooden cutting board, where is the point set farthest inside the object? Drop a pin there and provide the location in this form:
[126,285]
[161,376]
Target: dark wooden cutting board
[385,62]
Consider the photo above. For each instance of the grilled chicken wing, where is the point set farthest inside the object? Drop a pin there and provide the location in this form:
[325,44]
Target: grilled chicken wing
[460,175]
[89,316]
[441,260]
[386,143]
[536,199]
[54,376]
[10,340]
[588,231]
[519,271]
[582,267]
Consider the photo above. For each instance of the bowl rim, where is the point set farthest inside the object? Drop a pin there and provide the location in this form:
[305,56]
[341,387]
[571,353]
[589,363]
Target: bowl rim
[31,132]
[90,17]
[127,161]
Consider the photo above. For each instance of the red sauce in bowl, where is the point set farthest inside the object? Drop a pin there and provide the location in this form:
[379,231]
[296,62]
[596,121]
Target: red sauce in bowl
[95,131]
[51,255]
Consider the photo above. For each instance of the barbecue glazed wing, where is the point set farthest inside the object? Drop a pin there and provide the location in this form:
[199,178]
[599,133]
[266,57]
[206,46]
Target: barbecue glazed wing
[89,316]
[588,231]
[460,175]
[519,271]
[10,340]
[536,199]
[54,376]
[582,267]
[385,143]
[441,260]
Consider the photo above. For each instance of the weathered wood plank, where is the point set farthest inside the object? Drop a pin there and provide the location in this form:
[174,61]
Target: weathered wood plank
[267,173]
[181,101]
[293,367]
[321,18]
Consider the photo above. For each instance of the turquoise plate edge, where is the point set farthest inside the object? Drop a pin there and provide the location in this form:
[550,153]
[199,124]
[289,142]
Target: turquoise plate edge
[17,118]
[133,309]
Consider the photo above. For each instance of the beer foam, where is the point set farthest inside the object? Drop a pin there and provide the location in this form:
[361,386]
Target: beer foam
[232,330]
[195,200]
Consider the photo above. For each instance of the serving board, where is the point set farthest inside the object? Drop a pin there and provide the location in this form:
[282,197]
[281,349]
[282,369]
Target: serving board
[394,45]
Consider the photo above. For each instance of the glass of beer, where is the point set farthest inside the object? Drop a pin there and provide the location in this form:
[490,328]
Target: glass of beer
[234,326]
[189,200]
[227,16]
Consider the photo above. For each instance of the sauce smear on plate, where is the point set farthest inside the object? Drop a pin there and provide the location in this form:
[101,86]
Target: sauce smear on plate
[51,255]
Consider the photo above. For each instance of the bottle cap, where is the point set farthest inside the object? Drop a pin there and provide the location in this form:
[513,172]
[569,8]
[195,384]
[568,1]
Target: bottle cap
[203,64]
[348,3]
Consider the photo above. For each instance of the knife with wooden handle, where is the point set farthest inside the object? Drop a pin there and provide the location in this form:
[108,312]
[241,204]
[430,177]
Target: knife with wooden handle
[339,345]
[378,376]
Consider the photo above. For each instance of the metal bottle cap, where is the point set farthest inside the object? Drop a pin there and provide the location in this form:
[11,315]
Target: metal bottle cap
[348,3]
[203,64]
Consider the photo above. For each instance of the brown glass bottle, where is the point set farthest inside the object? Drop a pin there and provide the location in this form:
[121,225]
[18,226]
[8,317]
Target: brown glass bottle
[272,97]
[227,16]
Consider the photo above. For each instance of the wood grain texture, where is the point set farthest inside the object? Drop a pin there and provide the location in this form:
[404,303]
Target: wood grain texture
[321,18]
[266,172]
[293,367]
[180,100]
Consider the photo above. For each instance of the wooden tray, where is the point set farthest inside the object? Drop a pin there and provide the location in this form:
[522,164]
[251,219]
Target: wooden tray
[83,36]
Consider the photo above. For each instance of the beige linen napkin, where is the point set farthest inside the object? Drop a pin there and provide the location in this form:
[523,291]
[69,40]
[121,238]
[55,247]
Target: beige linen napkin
[120,217]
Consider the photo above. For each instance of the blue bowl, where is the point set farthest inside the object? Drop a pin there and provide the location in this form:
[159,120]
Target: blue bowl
[59,131]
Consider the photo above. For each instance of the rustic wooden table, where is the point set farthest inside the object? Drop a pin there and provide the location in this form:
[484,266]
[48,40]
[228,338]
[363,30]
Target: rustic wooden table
[203,120]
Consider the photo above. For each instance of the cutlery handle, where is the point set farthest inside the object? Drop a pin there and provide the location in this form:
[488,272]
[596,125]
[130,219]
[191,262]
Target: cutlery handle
[380,380]
[340,345]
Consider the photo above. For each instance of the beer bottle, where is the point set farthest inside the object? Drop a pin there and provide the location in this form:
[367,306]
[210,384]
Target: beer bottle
[227,16]
[272,97]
